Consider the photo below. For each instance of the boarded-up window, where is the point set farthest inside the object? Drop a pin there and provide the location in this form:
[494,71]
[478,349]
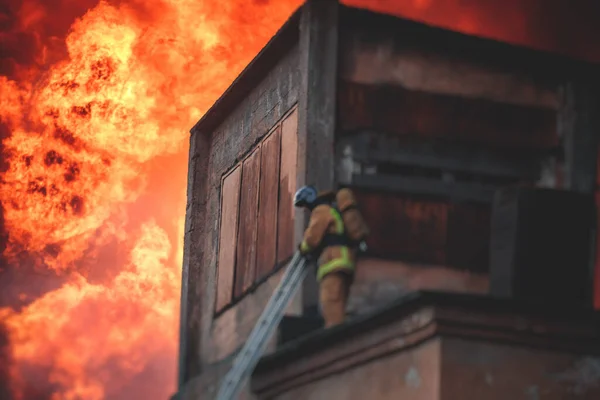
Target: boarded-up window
[247,232]
[289,151]
[230,195]
[404,228]
[267,206]
[426,231]
[399,111]
[257,219]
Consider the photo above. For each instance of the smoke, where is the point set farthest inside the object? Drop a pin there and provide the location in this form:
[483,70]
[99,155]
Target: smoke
[33,33]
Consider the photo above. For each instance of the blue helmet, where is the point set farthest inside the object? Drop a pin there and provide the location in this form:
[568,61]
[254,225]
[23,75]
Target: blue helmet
[305,196]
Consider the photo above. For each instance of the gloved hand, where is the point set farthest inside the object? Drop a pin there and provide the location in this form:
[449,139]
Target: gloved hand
[304,253]
[309,255]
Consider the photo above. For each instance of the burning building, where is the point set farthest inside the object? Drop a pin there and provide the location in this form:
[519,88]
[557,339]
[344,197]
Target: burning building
[474,162]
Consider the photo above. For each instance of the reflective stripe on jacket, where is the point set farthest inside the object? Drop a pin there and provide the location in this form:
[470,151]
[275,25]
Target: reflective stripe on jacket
[324,220]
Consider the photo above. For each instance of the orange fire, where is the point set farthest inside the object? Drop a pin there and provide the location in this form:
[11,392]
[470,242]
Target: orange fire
[95,189]
[94,194]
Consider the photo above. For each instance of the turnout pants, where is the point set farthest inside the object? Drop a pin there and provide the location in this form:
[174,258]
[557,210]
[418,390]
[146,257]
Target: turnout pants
[334,289]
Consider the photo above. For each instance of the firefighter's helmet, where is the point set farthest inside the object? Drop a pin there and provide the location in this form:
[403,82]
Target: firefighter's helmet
[305,196]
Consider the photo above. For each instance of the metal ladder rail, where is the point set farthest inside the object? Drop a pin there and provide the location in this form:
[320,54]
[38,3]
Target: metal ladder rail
[266,324]
[268,321]
[268,318]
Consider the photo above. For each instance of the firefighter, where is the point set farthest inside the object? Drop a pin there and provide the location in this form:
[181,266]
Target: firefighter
[329,241]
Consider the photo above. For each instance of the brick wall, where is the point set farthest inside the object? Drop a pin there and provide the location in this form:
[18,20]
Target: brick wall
[235,168]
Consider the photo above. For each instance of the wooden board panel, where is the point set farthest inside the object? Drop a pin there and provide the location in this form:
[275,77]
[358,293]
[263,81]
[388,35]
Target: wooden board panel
[246,251]
[403,112]
[415,67]
[423,186]
[230,195]
[266,257]
[373,148]
[469,237]
[287,186]
[404,228]
[423,230]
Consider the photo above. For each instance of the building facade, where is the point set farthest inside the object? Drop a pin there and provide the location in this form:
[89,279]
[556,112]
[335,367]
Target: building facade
[427,126]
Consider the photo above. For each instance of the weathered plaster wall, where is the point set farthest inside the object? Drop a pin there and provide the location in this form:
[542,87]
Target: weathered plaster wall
[266,105]
[211,156]
[443,346]
[493,371]
[230,329]
[378,282]
[454,369]
[413,374]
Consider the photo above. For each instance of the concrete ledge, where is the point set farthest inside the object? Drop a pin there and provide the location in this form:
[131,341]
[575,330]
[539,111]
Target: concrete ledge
[432,327]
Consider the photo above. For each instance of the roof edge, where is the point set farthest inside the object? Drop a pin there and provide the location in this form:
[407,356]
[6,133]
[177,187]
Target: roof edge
[253,73]
[289,34]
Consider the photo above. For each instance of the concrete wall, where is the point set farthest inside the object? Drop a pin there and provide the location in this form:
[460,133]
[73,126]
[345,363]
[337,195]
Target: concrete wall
[411,375]
[378,282]
[494,371]
[443,346]
[454,369]
[209,340]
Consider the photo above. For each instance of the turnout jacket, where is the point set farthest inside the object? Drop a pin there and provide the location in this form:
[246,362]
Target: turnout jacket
[325,236]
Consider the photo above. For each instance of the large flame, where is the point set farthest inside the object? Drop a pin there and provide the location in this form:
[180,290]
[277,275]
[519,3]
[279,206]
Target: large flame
[95,189]
[97,99]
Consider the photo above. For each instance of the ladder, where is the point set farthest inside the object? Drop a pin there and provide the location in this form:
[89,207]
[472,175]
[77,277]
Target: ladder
[254,347]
